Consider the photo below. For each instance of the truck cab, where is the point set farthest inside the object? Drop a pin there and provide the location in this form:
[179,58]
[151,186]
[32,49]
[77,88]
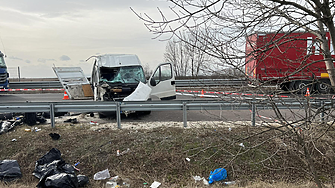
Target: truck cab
[4,75]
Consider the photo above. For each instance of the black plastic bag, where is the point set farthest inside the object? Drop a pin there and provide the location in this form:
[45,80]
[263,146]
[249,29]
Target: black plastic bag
[9,170]
[58,180]
[82,180]
[54,136]
[53,172]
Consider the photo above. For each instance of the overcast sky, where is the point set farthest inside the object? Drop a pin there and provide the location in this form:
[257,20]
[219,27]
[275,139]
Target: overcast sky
[37,34]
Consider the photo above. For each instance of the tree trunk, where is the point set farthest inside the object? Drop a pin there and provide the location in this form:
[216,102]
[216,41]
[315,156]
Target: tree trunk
[327,54]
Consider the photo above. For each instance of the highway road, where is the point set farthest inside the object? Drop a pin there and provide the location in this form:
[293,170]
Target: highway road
[224,115]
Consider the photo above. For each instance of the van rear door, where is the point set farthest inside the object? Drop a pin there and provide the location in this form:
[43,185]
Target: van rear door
[162,82]
[74,82]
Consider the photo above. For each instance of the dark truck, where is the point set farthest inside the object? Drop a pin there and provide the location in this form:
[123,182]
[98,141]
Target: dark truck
[4,75]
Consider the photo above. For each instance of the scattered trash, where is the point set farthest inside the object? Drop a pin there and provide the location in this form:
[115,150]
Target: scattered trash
[218,175]
[14,140]
[229,129]
[82,180]
[9,170]
[94,123]
[111,183]
[54,172]
[155,184]
[205,181]
[229,182]
[241,144]
[75,166]
[114,178]
[188,159]
[31,118]
[27,130]
[54,136]
[5,116]
[197,178]
[124,152]
[6,126]
[71,120]
[102,175]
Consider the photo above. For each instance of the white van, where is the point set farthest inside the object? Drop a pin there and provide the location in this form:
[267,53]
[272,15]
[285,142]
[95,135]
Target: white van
[118,77]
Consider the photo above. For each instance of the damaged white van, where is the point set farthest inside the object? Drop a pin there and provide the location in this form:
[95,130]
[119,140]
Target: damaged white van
[118,77]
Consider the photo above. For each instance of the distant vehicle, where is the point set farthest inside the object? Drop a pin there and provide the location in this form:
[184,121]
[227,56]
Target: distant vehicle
[4,75]
[294,61]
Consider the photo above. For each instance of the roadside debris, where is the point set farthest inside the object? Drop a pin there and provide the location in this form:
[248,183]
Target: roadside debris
[229,182]
[122,153]
[54,136]
[111,183]
[31,118]
[82,180]
[188,159]
[9,170]
[218,175]
[71,120]
[94,123]
[198,178]
[54,172]
[117,181]
[6,126]
[155,184]
[241,144]
[102,175]
[5,116]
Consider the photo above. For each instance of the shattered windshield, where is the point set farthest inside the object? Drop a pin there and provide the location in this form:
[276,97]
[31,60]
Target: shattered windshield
[131,74]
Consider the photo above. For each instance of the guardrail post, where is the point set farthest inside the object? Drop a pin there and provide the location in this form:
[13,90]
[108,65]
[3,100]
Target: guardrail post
[322,114]
[52,115]
[185,114]
[253,114]
[118,114]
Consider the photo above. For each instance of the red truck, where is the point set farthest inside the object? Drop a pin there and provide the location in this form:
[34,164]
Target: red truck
[293,61]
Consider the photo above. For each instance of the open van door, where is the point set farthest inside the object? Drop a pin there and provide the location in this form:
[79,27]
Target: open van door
[74,82]
[162,82]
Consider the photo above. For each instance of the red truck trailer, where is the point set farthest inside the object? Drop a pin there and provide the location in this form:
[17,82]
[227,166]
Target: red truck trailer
[294,61]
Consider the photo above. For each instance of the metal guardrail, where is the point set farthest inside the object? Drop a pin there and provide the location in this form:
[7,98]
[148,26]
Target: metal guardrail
[36,85]
[179,83]
[118,107]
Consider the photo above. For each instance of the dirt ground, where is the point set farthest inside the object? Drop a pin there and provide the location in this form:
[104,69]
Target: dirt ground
[162,151]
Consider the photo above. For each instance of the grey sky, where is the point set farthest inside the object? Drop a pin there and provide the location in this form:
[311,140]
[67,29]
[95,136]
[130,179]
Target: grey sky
[38,34]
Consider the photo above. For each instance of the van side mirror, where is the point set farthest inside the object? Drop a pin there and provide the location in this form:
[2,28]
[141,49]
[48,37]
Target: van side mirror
[153,82]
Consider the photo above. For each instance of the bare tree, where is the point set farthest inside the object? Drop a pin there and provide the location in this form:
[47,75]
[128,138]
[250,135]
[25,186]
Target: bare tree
[187,56]
[225,27]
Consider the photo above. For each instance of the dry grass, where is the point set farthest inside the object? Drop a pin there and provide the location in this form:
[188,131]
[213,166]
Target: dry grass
[159,155]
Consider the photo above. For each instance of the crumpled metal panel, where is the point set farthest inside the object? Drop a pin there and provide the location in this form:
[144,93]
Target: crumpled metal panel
[73,79]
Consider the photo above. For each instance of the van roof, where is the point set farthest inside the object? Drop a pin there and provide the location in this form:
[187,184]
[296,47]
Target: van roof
[117,60]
